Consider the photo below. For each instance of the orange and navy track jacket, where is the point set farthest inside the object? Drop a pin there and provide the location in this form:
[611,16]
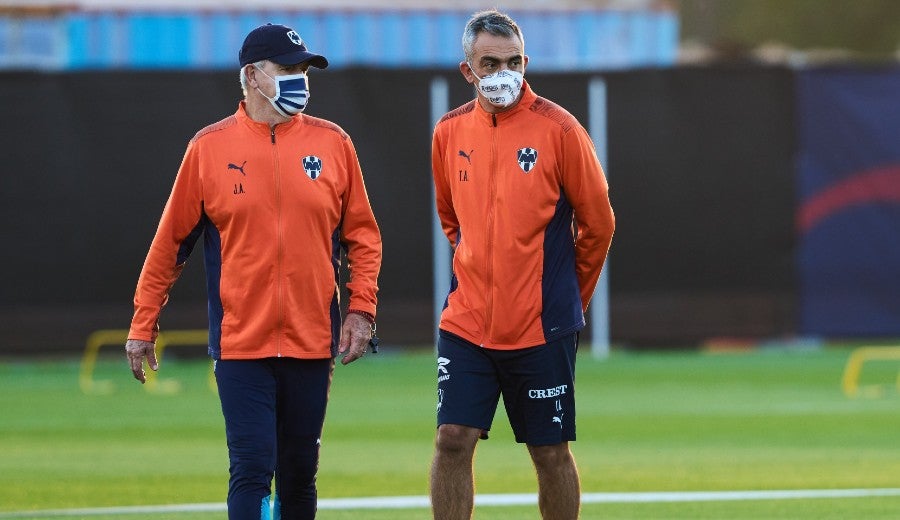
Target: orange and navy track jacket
[524,202]
[275,208]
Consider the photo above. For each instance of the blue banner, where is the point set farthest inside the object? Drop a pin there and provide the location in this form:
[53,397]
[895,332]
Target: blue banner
[848,215]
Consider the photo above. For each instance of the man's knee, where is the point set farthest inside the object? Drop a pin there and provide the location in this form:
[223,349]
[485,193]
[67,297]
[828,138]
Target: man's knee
[552,456]
[299,461]
[456,439]
[254,466]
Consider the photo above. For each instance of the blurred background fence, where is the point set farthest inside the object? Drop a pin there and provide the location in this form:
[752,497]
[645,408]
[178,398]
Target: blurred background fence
[754,201]
[66,38]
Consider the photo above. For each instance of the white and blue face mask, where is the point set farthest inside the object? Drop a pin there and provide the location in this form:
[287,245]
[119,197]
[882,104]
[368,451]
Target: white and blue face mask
[291,93]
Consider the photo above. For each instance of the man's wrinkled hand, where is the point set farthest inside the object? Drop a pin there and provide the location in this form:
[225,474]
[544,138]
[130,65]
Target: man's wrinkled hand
[355,335]
[137,350]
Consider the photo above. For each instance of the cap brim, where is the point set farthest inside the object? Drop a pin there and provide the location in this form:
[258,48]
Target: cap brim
[294,58]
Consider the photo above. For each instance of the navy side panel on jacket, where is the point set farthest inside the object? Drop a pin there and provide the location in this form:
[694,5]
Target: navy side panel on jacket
[212,251]
[454,283]
[187,245]
[335,310]
[561,313]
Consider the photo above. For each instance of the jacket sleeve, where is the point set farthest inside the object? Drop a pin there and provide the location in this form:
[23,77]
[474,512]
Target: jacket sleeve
[442,194]
[585,186]
[361,237]
[180,225]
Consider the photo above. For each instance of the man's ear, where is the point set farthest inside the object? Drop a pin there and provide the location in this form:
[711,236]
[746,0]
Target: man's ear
[466,71]
[250,74]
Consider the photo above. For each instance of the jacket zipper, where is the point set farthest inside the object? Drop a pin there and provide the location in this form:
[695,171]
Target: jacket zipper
[278,237]
[489,314]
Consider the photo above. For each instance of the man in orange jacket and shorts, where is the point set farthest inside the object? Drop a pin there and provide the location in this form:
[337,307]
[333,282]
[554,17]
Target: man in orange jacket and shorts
[524,203]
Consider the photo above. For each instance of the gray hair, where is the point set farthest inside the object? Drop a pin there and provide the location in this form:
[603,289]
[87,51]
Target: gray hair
[492,22]
[243,75]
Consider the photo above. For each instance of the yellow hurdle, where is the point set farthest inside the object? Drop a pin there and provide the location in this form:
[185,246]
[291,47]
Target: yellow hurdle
[92,346]
[117,337]
[853,368]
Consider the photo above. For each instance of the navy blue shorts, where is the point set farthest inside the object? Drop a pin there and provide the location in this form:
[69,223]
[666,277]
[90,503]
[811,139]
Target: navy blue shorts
[537,384]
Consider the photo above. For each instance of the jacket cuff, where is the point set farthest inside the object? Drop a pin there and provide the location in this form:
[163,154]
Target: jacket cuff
[368,316]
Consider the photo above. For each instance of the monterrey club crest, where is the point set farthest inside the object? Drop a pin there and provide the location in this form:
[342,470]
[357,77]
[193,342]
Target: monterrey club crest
[313,166]
[295,38]
[527,158]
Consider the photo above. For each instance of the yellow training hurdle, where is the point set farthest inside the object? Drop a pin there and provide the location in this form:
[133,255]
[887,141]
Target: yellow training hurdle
[117,337]
[853,368]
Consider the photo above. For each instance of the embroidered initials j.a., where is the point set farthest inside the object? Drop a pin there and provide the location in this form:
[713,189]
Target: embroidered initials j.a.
[238,189]
[463,175]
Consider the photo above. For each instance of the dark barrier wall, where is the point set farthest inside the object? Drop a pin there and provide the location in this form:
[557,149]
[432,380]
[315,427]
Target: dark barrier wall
[699,163]
[701,167]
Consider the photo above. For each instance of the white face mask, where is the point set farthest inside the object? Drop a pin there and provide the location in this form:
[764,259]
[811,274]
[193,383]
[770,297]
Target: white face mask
[291,93]
[501,88]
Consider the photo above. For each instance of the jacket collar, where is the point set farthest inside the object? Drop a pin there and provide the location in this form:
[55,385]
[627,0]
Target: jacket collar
[260,127]
[526,99]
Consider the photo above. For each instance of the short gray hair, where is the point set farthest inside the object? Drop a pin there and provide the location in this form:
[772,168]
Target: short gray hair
[243,76]
[492,22]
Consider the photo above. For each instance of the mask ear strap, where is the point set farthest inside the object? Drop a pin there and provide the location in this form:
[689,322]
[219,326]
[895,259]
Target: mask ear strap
[258,69]
[275,81]
[472,70]
[263,94]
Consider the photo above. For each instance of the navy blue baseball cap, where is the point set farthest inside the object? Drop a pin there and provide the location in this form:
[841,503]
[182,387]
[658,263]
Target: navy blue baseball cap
[280,44]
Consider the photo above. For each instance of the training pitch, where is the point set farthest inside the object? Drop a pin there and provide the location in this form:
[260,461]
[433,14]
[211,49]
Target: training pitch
[759,434]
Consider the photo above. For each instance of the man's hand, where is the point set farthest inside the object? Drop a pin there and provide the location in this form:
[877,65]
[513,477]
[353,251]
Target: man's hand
[137,350]
[355,336]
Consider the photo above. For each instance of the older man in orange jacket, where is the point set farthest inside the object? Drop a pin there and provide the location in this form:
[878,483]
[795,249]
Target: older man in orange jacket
[276,195]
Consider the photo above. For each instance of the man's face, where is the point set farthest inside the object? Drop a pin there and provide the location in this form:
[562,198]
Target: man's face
[491,53]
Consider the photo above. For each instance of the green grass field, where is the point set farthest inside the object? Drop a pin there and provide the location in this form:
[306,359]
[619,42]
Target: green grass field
[685,421]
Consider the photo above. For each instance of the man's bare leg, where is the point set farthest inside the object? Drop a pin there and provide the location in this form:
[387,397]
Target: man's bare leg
[452,481]
[559,488]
